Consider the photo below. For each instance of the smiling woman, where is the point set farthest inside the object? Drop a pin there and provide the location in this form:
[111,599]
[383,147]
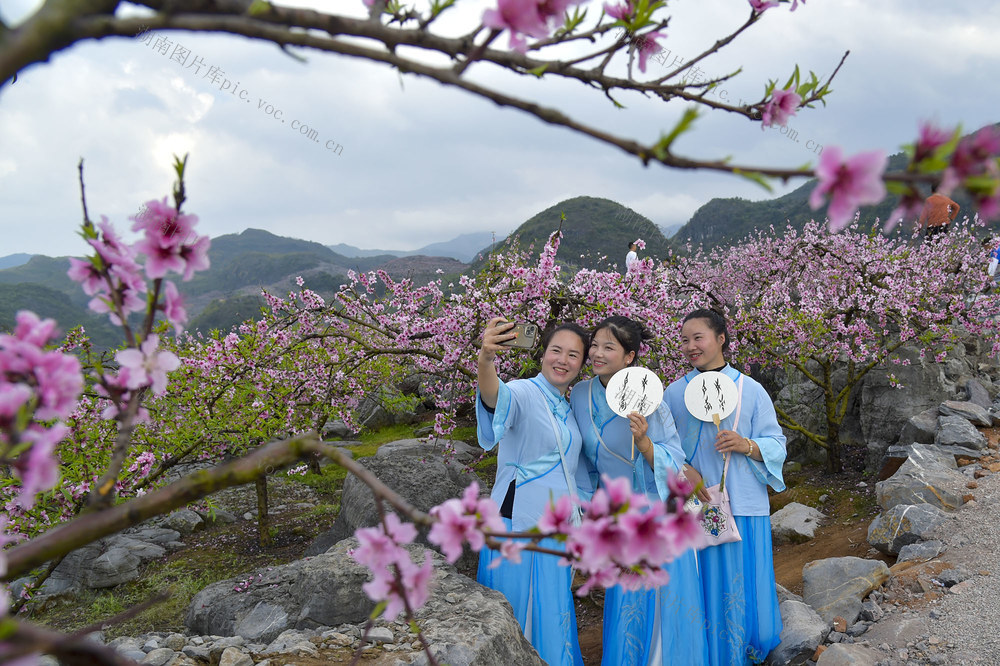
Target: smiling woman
[539,447]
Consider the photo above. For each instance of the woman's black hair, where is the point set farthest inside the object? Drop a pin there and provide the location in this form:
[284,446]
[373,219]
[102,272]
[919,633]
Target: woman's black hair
[572,327]
[628,332]
[716,322]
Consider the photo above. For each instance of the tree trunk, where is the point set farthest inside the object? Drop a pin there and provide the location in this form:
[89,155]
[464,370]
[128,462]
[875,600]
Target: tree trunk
[263,524]
[834,462]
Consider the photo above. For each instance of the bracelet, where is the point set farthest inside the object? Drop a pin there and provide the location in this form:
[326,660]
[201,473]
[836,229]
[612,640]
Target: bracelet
[750,451]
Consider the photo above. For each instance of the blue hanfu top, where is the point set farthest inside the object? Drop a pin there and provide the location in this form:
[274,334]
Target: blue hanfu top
[613,457]
[747,479]
[522,423]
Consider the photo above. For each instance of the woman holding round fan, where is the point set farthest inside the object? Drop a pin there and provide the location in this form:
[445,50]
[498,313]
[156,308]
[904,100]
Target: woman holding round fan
[658,626]
[737,578]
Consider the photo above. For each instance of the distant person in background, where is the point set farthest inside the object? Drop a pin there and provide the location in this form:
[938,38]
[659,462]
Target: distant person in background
[939,211]
[991,267]
[631,258]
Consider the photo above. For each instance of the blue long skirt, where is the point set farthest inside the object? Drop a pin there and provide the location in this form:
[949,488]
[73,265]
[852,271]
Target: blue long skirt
[741,603]
[659,627]
[539,591]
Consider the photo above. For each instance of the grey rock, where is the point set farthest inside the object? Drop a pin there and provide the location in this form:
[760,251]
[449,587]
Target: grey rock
[233,656]
[922,453]
[480,631]
[113,567]
[794,522]
[160,535]
[978,394]
[337,429]
[857,629]
[785,595]
[262,621]
[958,431]
[134,655]
[380,635]
[126,644]
[248,516]
[920,428]
[974,413]
[159,657]
[196,652]
[835,586]
[803,630]
[835,637]
[372,413]
[414,469]
[217,517]
[216,649]
[174,641]
[922,551]
[917,482]
[952,577]
[151,644]
[848,655]
[884,409]
[325,591]
[902,525]
[184,521]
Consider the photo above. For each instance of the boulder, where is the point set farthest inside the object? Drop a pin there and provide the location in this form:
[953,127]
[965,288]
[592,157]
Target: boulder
[836,585]
[337,429]
[849,654]
[784,594]
[465,622]
[922,481]
[920,428]
[903,525]
[885,409]
[802,631]
[974,413]
[977,394]
[897,454]
[107,562]
[417,471]
[958,431]
[184,521]
[920,551]
[794,522]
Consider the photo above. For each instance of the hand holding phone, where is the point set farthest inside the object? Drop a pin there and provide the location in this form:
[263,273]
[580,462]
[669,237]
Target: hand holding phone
[526,335]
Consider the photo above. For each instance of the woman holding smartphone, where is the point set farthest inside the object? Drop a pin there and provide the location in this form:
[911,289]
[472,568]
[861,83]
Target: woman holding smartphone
[660,626]
[741,603]
[539,445]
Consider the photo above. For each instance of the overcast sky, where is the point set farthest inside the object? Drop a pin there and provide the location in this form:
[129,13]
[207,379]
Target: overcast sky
[420,163]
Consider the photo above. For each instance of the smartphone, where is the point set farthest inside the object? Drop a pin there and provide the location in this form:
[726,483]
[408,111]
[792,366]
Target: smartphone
[527,336]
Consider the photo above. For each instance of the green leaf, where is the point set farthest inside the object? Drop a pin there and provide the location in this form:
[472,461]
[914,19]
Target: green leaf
[756,177]
[378,610]
[259,8]
[438,7]
[538,71]
[683,125]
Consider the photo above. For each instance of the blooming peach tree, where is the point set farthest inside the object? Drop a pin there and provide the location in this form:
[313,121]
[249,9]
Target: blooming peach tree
[815,302]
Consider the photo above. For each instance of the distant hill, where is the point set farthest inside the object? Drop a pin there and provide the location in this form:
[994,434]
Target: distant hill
[352,251]
[224,295]
[671,230]
[727,221]
[463,248]
[596,233]
[53,304]
[14,260]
